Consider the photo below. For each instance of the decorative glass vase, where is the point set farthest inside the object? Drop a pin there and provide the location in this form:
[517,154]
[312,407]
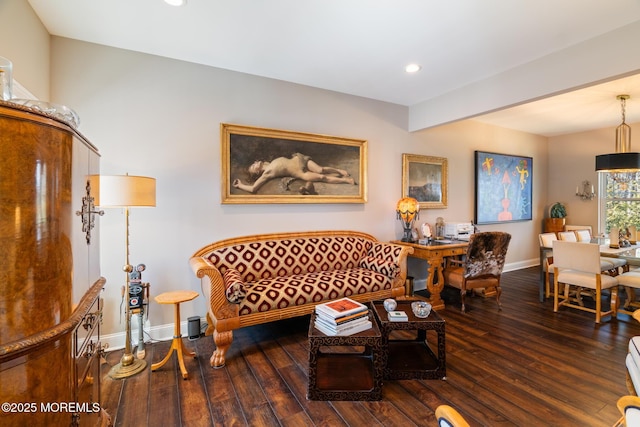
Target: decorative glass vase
[6,79]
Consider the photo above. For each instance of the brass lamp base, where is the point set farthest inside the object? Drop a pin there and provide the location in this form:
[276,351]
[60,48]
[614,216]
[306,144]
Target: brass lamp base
[125,369]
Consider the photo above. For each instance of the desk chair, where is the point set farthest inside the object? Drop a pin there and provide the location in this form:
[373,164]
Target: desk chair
[482,265]
[578,265]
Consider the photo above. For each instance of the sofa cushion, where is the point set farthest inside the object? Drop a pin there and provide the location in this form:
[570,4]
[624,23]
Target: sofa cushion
[389,269]
[299,289]
[234,288]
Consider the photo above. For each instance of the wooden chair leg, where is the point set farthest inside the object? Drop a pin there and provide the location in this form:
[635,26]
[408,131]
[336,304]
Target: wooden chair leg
[547,284]
[555,294]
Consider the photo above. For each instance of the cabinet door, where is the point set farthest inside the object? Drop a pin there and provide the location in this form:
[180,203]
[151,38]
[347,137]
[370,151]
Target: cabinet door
[85,230]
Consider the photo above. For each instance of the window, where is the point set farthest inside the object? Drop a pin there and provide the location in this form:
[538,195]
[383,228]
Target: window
[619,200]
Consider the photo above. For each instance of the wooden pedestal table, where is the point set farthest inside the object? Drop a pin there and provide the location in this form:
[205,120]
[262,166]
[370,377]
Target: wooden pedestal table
[435,253]
[176,297]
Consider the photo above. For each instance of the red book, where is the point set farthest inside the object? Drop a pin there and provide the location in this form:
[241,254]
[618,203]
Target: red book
[340,308]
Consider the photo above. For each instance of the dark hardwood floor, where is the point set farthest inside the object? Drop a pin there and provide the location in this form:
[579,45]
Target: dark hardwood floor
[523,366]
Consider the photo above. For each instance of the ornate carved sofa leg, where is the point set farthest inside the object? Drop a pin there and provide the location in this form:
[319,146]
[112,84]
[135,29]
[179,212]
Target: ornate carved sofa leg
[223,341]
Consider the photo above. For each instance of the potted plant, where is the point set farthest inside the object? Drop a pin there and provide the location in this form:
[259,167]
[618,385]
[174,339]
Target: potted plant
[557,214]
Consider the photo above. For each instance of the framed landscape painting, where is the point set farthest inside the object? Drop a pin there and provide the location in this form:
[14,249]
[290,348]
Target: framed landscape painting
[503,188]
[425,179]
[276,166]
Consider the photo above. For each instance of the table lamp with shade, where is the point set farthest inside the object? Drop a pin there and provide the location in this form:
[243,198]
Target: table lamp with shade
[407,210]
[125,191]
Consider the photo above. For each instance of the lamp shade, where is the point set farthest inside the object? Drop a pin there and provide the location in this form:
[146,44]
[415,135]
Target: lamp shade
[126,190]
[618,162]
[407,209]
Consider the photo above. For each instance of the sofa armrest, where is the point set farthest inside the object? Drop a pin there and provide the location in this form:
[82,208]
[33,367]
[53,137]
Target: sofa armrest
[213,290]
[393,253]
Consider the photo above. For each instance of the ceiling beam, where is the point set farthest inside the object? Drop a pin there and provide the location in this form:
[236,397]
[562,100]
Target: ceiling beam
[612,55]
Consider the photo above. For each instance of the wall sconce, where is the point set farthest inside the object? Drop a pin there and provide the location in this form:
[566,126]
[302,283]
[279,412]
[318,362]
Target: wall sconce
[587,193]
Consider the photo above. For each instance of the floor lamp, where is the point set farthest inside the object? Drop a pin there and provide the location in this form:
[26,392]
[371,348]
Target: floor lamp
[125,191]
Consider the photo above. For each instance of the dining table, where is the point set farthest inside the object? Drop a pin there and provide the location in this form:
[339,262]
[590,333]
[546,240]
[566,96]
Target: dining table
[629,253]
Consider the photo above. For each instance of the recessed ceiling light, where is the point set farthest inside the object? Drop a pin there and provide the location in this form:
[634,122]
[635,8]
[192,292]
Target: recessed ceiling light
[412,68]
[176,2]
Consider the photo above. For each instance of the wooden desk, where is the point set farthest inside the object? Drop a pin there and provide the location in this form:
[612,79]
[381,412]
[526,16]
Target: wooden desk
[434,254]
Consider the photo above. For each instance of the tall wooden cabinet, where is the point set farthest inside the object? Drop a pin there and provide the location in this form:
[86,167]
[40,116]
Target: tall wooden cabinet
[50,284]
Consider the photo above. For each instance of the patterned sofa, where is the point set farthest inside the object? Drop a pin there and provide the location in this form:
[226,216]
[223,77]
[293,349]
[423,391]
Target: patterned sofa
[257,279]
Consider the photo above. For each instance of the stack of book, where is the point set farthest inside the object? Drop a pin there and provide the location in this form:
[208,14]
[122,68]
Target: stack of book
[342,317]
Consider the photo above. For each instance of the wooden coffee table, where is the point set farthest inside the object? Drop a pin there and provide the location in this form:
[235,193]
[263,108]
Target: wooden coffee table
[412,358]
[345,367]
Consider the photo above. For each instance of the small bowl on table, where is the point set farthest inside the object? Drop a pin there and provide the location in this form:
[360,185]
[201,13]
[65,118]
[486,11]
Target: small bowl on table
[421,309]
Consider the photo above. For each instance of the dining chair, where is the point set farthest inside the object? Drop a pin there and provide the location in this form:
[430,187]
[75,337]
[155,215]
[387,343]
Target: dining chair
[448,416]
[567,236]
[570,227]
[578,265]
[583,235]
[482,265]
[629,407]
[608,264]
[546,258]
[630,280]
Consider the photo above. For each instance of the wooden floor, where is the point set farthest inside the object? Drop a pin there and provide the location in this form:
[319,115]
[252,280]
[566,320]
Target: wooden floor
[522,366]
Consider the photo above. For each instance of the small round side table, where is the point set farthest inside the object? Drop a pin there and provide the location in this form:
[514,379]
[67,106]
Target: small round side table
[176,297]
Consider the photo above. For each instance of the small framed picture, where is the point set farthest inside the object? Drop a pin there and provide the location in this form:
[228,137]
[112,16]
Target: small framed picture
[425,179]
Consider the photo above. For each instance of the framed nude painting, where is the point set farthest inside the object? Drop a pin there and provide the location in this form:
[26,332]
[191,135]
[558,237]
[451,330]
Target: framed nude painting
[277,166]
[425,179]
[503,187]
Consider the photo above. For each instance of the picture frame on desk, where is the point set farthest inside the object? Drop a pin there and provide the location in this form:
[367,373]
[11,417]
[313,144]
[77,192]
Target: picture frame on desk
[425,178]
[503,188]
[268,166]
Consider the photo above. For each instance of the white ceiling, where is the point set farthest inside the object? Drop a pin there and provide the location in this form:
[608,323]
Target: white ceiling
[360,47]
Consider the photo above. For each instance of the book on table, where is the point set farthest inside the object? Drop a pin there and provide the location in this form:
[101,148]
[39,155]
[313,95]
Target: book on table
[340,308]
[397,316]
[349,329]
[328,323]
[344,319]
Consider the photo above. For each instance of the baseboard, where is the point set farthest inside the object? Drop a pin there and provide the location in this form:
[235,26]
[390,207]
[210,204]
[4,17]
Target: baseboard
[421,284]
[117,340]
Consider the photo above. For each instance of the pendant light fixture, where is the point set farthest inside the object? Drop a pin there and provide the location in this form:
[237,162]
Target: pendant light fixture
[623,160]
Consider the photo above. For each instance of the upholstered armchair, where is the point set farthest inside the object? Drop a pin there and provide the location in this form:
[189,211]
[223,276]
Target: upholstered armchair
[482,265]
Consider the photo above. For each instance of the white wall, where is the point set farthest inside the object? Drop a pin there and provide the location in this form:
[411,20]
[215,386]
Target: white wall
[25,42]
[158,117]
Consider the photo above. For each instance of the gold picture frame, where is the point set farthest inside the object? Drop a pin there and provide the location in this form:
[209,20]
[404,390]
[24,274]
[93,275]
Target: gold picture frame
[262,165]
[425,178]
